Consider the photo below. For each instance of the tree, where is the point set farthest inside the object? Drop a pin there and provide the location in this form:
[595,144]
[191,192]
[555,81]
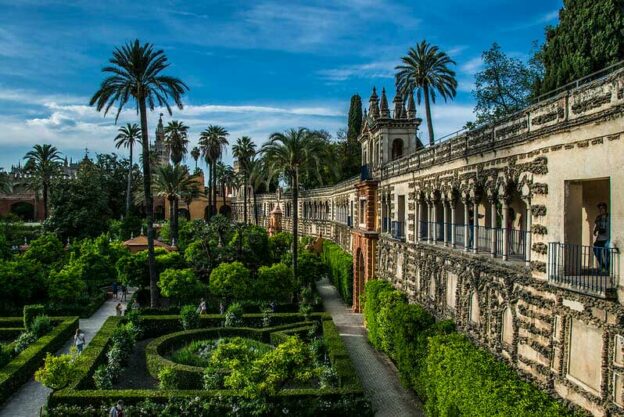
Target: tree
[244,150]
[43,164]
[231,281]
[588,38]
[180,284]
[173,183]
[290,153]
[136,75]
[426,69]
[275,283]
[47,250]
[355,119]
[195,154]
[503,86]
[176,136]
[128,135]
[226,178]
[213,141]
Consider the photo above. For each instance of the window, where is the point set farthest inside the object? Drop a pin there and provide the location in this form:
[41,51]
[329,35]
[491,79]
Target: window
[397,148]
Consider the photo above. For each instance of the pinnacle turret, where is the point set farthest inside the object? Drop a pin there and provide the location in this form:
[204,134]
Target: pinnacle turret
[411,106]
[398,104]
[373,104]
[385,110]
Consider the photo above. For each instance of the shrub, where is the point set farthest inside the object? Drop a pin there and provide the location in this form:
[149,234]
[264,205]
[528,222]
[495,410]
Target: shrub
[253,250]
[6,354]
[232,281]
[66,285]
[40,326]
[57,371]
[30,312]
[189,317]
[181,284]
[274,283]
[233,315]
[167,378]
[339,265]
[23,340]
[102,377]
[279,244]
[21,282]
[123,338]
[46,250]
[310,268]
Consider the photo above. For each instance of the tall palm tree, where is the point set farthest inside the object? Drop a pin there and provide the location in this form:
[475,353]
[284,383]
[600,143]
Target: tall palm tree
[43,163]
[226,178]
[213,142]
[173,182]
[128,135]
[289,153]
[176,136]
[426,70]
[195,154]
[244,150]
[135,75]
[260,175]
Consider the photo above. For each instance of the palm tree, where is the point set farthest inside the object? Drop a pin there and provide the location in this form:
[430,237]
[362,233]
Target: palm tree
[128,135]
[290,153]
[43,163]
[176,137]
[244,150]
[195,154]
[173,182]
[260,175]
[213,142]
[135,74]
[426,70]
[226,177]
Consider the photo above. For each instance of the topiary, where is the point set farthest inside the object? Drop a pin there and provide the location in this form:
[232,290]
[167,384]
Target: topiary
[189,317]
[30,312]
[40,326]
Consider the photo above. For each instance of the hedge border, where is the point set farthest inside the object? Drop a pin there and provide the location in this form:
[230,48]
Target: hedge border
[339,269]
[19,370]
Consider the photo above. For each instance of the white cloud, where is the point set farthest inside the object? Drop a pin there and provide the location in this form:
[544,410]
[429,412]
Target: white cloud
[379,69]
[472,65]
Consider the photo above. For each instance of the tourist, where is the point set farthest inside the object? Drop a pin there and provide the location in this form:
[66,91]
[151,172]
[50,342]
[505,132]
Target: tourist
[114,289]
[601,231]
[201,309]
[79,340]
[124,292]
[117,410]
[470,226]
[119,309]
[221,308]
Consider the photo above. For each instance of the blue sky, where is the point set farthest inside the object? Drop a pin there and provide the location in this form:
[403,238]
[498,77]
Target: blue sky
[253,67]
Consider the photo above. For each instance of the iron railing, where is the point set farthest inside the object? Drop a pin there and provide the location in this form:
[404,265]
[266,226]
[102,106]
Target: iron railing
[587,269]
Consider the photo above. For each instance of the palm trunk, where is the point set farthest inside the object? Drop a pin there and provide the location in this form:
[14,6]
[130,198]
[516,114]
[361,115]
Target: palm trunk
[295,220]
[129,188]
[245,199]
[149,205]
[214,187]
[45,200]
[255,206]
[428,111]
[209,192]
[171,216]
[36,210]
[174,222]
[223,195]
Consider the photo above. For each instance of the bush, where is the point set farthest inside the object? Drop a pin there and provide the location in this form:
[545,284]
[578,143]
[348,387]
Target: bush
[30,312]
[102,377]
[339,265]
[233,315]
[46,250]
[280,244]
[231,281]
[57,371]
[40,326]
[310,268]
[22,341]
[253,250]
[66,285]
[167,378]
[189,317]
[180,284]
[275,283]
[6,354]
[21,282]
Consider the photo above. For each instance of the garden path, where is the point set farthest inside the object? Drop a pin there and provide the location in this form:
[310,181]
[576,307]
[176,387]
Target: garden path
[28,400]
[377,373]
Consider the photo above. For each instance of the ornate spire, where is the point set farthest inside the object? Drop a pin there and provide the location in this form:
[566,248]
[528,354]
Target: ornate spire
[398,104]
[385,110]
[160,129]
[373,104]
[411,106]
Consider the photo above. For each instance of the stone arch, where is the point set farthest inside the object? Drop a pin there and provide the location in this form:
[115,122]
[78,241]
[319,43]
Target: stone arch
[474,311]
[359,274]
[226,211]
[24,210]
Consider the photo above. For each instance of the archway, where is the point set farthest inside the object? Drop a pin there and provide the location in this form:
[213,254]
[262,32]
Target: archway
[159,213]
[182,212]
[226,211]
[23,210]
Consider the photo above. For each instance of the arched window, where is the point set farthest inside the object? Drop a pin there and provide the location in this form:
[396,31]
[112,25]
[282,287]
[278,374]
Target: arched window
[397,148]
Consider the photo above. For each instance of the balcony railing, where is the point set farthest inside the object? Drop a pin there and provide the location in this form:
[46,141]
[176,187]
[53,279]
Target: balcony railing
[587,269]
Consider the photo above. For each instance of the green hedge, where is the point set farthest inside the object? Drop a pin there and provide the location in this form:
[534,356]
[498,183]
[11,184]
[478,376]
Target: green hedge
[340,269]
[21,369]
[8,334]
[447,371]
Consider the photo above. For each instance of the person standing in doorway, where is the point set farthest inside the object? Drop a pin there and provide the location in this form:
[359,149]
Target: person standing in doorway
[601,232]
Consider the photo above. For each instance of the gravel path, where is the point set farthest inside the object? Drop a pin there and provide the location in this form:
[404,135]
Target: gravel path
[377,373]
[28,400]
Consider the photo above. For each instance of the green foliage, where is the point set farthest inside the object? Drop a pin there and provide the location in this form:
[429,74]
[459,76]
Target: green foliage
[279,244]
[233,315]
[231,281]
[6,354]
[21,282]
[47,250]
[339,265]
[125,228]
[23,341]
[274,283]
[57,371]
[588,38]
[30,312]
[189,317]
[355,118]
[66,285]
[180,284]
[103,378]
[132,269]
[251,245]
[40,326]
[167,378]
[309,269]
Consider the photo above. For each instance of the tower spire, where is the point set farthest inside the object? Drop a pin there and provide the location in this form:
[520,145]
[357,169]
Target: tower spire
[411,106]
[385,110]
[373,104]
[398,104]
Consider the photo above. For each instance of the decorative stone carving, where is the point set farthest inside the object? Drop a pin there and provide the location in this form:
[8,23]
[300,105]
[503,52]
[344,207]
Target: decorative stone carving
[592,103]
[540,248]
[548,117]
[538,210]
[539,188]
[538,229]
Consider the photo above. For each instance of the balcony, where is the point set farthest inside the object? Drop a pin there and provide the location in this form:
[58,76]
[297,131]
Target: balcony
[585,269]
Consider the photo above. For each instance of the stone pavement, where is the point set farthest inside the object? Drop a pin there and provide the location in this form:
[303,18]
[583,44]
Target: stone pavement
[29,399]
[377,373]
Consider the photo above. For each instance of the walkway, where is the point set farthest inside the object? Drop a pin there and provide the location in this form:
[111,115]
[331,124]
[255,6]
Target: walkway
[377,373]
[29,399]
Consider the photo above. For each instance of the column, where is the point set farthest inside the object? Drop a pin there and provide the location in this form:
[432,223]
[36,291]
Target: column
[419,220]
[445,223]
[528,235]
[475,226]
[430,233]
[452,204]
[505,229]
[493,226]
[466,226]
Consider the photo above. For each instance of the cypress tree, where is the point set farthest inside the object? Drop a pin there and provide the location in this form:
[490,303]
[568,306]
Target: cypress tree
[355,119]
[588,38]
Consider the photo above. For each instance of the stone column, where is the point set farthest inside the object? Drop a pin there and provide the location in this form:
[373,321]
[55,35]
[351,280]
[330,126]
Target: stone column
[419,221]
[475,225]
[466,226]
[493,226]
[452,206]
[429,233]
[445,223]
[434,222]
[529,235]
[505,205]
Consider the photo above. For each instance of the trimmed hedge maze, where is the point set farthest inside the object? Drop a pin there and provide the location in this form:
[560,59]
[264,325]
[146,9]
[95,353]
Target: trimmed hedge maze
[81,397]
[21,368]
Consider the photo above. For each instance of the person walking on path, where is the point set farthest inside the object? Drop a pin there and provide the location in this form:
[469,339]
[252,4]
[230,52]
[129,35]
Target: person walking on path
[117,410]
[114,289]
[119,309]
[201,309]
[124,292]
[79,340]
